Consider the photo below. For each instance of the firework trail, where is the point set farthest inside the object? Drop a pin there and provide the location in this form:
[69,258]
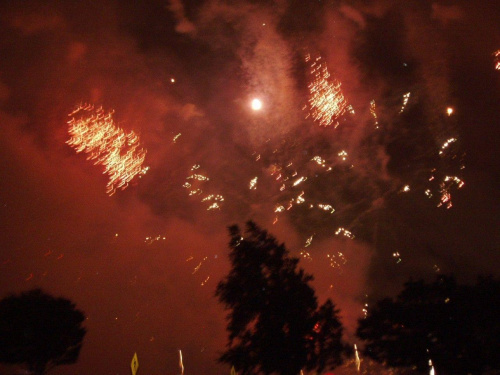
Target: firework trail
[181,364]
[94,132]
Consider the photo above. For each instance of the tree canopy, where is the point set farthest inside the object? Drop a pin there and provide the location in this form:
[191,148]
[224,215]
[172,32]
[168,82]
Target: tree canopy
[39,331]
[274,323]
[456,326]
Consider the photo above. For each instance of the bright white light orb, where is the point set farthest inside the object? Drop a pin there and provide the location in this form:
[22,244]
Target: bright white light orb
[256,105]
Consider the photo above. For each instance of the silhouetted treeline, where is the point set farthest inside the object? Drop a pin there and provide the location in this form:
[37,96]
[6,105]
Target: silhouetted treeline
[39,331]
[456,326]
[274,323]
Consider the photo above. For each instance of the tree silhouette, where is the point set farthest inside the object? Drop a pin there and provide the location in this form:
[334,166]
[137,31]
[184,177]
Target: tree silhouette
[456,326]
[39,331]
[326,347]
[274,325]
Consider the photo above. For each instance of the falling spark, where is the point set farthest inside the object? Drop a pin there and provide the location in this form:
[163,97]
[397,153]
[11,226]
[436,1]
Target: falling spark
[431,372]
[152,239]
[445,190]
[213,206]
[204,282]
[319,160]
[306,255]
[95,133]
[300,198]
[358,361]
[197,268]
[496,54]
[198,177]
[365,311]
[253,183]
[446,145]
[336,261]
[309,241]
[299,180]
[344,232]
[406,98]
[397,256]
[405,189]
[343,154]
[373,112]
[181,365]
[449,111]
[326,101]
[214,197]
[326,207]
[174,140]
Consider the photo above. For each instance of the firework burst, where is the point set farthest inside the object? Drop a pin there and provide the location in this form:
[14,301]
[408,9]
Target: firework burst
[326,101]
[94,132]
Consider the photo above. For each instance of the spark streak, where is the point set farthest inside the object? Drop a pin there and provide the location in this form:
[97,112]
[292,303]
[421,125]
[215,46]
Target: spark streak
[496,55]
[406,98]
[446,145]
[181,365]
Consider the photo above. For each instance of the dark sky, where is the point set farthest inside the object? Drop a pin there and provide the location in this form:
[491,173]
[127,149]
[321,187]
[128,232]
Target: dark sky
[143,263]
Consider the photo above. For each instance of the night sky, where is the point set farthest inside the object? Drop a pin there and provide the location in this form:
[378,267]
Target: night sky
[399,185]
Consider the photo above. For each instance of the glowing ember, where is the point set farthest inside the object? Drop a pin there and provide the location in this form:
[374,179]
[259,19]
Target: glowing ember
[95,132]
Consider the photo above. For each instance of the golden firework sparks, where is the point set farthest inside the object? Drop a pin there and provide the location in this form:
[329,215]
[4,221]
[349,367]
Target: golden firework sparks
[337,260]
[373,111]
[446,145]
[319,160]
[496,55]
[326,100]
[309,241]
[326,207]
[253,183]
[345,232]
[94,132]
[445,190]
[406,98]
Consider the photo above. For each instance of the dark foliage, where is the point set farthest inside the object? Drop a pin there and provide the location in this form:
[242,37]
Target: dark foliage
[456,326]
[274,323]
[39,331]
